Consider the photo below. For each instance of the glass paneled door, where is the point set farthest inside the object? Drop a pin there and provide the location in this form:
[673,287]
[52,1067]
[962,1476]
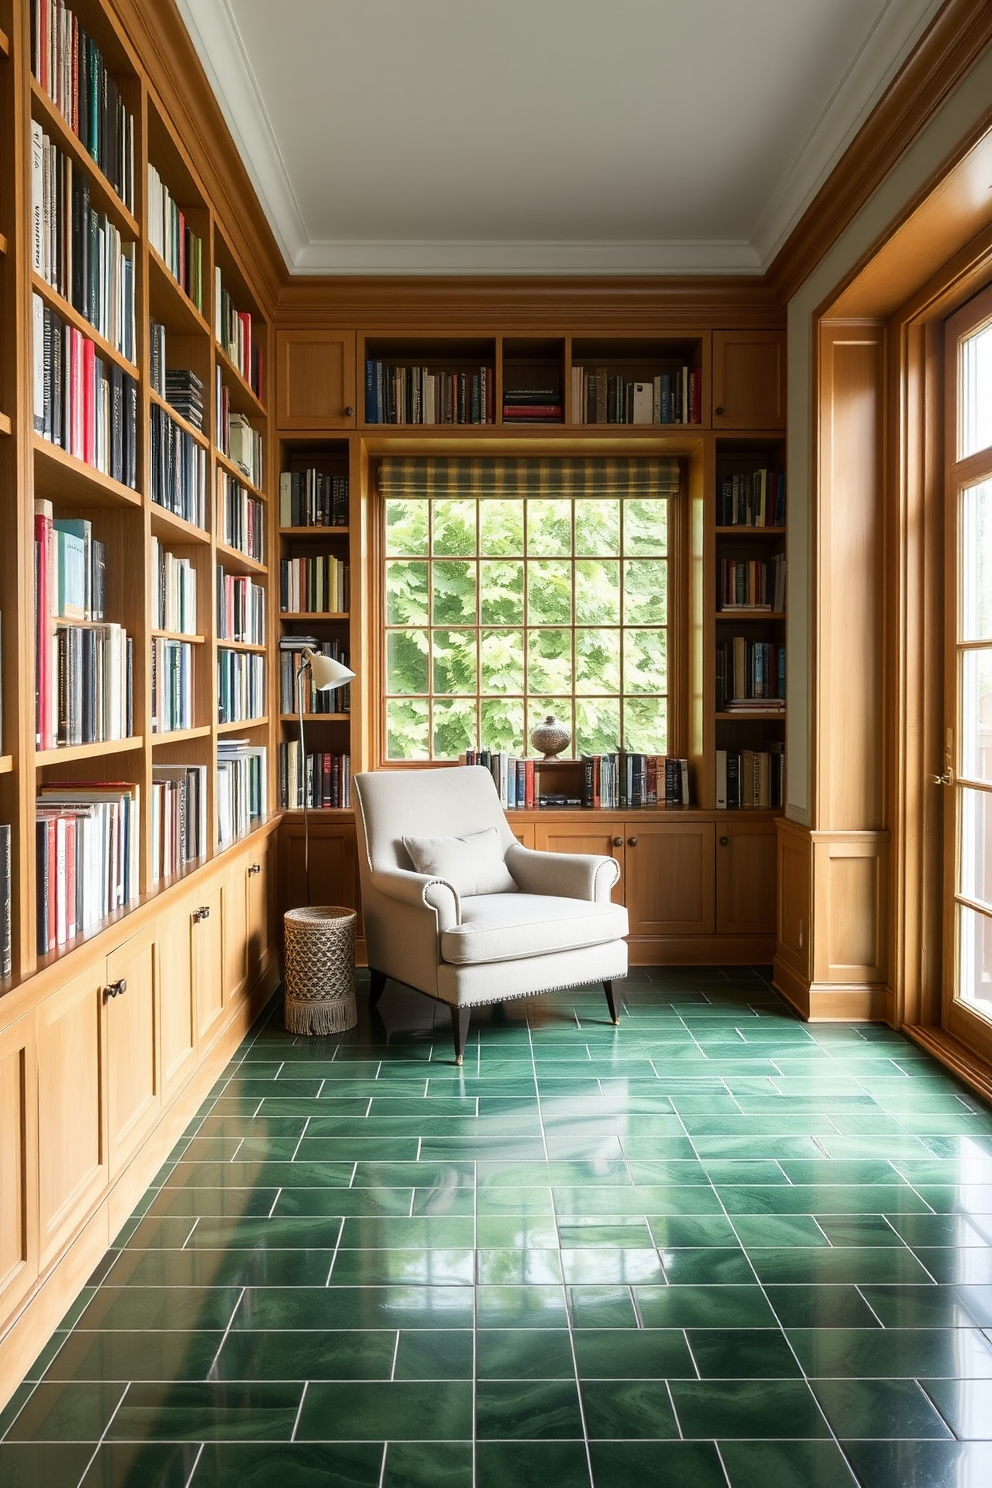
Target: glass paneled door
[967,765]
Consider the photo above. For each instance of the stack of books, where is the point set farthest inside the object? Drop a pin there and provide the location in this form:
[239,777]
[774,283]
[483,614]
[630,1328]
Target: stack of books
[750,584]
[312,498]
[184,390]
[750,778]
[532,405]
[750,676]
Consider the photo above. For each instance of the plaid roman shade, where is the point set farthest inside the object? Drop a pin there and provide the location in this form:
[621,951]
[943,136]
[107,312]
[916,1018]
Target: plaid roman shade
[478,477]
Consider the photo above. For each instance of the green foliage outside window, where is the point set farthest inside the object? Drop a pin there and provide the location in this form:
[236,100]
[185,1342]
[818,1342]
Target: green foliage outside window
[500,611]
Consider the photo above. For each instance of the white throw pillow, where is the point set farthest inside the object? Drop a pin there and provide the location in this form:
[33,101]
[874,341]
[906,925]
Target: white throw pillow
[471,865]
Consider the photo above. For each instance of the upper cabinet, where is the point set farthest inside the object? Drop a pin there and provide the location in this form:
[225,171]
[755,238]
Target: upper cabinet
[749,379]
[315,379]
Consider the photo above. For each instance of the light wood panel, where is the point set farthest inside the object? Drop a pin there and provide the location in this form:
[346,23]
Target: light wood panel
[670,877]
[235,908]
[745,878]
[316,382]
[748,380]
[18,1164]
[209,970]
[177,1008]
[260,886]
[133,1079]
[850,905]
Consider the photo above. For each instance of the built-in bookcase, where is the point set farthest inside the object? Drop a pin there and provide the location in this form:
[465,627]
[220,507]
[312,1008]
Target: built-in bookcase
[170,507]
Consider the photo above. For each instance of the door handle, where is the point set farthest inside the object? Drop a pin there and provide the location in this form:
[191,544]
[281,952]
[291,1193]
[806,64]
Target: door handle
[115,989]
[203,913]
[944,779]
[253,869]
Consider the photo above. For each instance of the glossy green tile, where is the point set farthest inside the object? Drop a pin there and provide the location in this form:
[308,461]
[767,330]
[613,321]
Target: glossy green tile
[343,1202]
[66,1411]
[849,1264]
[602,1307]
[159,1355]
[150,1465]
[291,1355]
[775,1231]
[43,1464]
[434,1354]
[931,1306]
[518,1267]
[626,1232]
[789,1464]
[703,1307]
[402,1268]
[965,1404]
[598,1266]
[224,1411]
[925,1464]
[766,1408]
[439,1410]
[220,1268]
[821,1307]
[531,1464]
[636,1409]
[161,1307]
[751,1146]
[665,1463]
[962,1353]
[159,1232]
[678,1232]
[288,1464]
[238,1203]
[950,1265]
[281,1232]
[823,1199]
[742,1353]
[427,1465]
[438,1200]
[534,1199]
[707,1267]
[733,1170]
[879,1408]
[628,1353]
[388,1232]
[520,1307]
[531,1409]
[306,1308]
[523,1354]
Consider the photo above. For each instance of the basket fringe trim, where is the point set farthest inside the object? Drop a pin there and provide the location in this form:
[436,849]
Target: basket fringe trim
[318,1016]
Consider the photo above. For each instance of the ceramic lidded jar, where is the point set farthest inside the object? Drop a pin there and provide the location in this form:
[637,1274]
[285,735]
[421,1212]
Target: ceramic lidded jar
[550,737]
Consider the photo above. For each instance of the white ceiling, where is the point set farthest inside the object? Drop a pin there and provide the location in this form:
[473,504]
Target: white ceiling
[544,136]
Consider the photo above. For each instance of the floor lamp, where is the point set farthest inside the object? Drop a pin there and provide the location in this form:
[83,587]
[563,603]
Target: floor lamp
[325,675]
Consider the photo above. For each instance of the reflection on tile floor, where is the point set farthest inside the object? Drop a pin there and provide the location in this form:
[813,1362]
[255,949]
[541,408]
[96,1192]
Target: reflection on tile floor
[713,1246]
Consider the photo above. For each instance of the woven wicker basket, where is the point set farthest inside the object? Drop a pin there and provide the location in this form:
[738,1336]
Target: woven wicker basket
[320,969]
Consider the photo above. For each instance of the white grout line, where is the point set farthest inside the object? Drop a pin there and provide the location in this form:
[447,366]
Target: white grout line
[230,1324]
[299,1411]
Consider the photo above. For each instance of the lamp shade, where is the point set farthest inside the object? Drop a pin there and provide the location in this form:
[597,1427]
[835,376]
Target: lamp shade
[325,672]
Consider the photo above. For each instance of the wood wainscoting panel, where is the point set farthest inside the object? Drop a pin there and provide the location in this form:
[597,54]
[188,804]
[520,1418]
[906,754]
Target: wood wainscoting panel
[18,1163]
[134,1087]
[669,878]
[315,379]
[745,878]
[177,1009]
[849,907]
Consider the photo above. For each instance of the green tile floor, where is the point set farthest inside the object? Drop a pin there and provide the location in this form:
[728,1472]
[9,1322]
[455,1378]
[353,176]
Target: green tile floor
[710,1247]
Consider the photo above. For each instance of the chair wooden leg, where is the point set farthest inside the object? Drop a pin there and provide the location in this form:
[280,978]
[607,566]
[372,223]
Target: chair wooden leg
[459,1027]
[612,1001]
[377,984]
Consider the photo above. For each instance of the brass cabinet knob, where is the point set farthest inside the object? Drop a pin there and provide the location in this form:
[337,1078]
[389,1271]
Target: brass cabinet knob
[115,989]
[618,842]
[718,410]
[253,869]
[349,411]
[203,913]
[724,841]
[631,841]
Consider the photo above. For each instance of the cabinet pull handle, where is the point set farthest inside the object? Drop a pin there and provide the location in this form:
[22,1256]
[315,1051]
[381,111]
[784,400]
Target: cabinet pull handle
[631,841]
[724,841]
[253,869]
[718,410]
[115,989]
[349,411]
[203,913]
[618,842]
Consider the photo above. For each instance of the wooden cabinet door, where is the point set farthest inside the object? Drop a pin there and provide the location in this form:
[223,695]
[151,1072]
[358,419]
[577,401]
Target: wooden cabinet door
[669,877]
[234,896]
[315,380]
[745,878]
[333,864]
[177,1008]
[259,928]
[72,1148]
[207,920]
[748,379]
[133,1081]
[18,1163]
[594,836]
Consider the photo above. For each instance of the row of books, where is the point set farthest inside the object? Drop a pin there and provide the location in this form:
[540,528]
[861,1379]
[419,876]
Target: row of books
[336,700]
[328,779]
[173,591]
[237,439]
[600,396]
[240,609]
[312,498]
[82,404]
[233,330]
[77,566]
[754,498]
[179,386]
[241,769]
[532,405]
[615,781]
[415,395]
[92,667]
[179,817]
[70,68]
[78,251]
[318,585]
[240,517]
[751,584]
[750,676]
[175,242]
[172,685]
[240,686]
[750,778]
[86,855]
[178,465]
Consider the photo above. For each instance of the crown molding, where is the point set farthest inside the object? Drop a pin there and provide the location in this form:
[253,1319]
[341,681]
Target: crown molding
[475,258]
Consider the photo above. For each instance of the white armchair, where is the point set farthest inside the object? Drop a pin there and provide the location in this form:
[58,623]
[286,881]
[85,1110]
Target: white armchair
[455,907]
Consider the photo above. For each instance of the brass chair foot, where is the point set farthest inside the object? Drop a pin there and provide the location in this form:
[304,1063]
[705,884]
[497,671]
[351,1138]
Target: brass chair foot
[458,1059]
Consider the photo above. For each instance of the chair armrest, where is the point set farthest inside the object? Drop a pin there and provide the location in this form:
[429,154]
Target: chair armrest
[420,889]
[569,875]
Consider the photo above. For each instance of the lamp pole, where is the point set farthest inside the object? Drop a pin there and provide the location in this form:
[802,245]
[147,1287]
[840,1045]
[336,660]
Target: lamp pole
[326,674]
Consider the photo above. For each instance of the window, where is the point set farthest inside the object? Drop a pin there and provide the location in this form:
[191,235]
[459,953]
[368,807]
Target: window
[514,588]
